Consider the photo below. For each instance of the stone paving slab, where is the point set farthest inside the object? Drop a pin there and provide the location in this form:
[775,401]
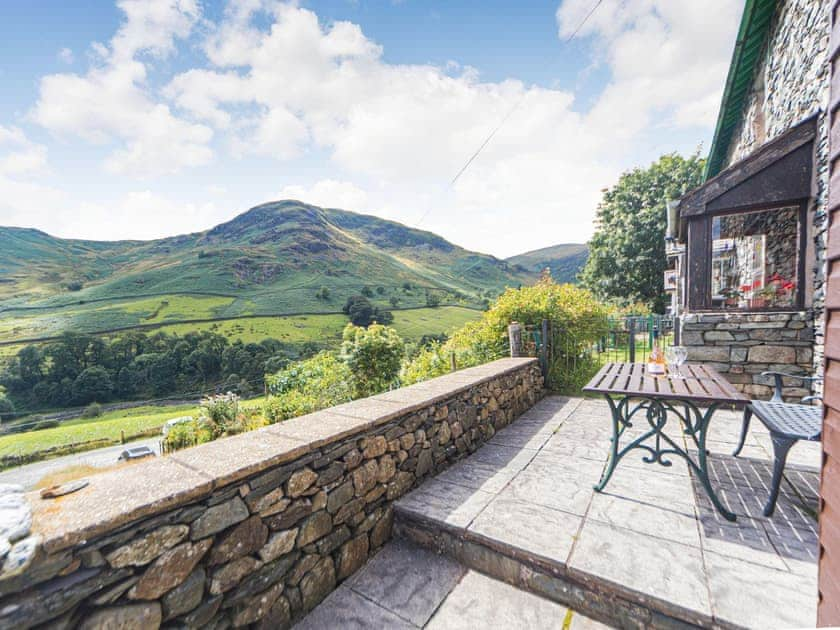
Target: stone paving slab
[406,586]
[652,537]
[408,580]
[637,564]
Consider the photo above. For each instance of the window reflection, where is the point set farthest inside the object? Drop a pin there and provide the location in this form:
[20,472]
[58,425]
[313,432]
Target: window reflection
[755,259]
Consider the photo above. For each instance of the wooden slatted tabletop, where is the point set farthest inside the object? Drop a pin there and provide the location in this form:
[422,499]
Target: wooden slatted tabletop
[698,384]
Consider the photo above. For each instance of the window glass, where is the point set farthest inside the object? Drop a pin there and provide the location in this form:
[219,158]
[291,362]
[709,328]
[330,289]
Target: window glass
[755,258]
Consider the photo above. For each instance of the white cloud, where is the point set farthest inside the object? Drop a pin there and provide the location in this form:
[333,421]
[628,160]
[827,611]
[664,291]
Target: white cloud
[139,214]
[329,193]
[113,103]
[18,155]
[668,59]
[65,55]
[280,84]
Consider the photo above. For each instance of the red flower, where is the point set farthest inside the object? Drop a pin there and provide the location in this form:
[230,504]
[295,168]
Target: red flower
[788,286]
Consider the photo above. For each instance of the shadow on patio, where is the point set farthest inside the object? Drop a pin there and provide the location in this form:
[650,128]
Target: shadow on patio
[648,550]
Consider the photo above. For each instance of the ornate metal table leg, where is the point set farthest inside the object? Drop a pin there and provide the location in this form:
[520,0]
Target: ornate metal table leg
[617,422]
[702,467]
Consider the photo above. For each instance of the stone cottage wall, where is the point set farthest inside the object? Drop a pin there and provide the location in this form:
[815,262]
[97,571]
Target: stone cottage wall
[791,84]
[254,529]
[742,345]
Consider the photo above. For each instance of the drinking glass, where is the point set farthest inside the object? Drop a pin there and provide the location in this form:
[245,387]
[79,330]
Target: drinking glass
[679,355]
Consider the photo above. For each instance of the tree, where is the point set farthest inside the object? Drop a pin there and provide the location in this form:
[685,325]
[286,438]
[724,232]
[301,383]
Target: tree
[627,252]
[367,291]
[323,294]
[359,309]
[394,301]
[432,299]
[374,355]
[93,383]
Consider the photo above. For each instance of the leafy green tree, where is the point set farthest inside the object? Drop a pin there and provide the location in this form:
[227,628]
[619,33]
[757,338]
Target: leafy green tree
[323,293]
[362,313]
[367,291]
[627,252]
[432,299]
[7,408]
[374,355]
[394,301]
[93,383]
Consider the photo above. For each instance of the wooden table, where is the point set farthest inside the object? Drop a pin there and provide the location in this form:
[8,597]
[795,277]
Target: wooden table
[692,398]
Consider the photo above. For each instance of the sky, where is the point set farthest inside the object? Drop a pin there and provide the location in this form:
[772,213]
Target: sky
[145,118]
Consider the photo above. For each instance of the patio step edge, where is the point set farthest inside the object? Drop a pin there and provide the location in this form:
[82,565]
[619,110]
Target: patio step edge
[588,594]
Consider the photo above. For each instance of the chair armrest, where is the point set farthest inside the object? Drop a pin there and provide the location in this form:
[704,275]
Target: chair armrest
[810,398]
[777,379]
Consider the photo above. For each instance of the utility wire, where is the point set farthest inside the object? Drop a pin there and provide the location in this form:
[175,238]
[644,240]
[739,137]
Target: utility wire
[584,21]
[505,119]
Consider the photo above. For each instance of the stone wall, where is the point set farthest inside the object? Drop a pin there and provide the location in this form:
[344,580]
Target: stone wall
[791,84]
[742,345]
[254,529]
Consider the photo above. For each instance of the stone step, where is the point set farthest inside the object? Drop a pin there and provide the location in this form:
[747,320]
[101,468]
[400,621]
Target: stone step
[588,594]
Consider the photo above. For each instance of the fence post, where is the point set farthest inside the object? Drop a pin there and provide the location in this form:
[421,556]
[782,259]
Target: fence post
[515,337]
[122,436]
[544,348]
[631,331]
[452,363]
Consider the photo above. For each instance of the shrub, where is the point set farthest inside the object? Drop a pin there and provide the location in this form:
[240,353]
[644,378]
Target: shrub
[186,434]
[432,300]
[220,414]
[306,386]
[575,315]
[367,291]
[323,294]
[373,355]
[93,410]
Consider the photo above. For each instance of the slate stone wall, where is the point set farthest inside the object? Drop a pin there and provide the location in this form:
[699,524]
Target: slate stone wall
[742,345]
[263,550]
[791,84]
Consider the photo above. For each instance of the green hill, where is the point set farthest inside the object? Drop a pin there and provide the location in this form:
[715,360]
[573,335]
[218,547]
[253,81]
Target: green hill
[565,260]
[271,260]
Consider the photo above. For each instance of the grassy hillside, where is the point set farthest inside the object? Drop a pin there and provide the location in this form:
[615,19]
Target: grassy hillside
[565,260]
[271,260]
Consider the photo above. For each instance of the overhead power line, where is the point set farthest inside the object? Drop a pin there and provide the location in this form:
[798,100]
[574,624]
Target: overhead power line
[584,21]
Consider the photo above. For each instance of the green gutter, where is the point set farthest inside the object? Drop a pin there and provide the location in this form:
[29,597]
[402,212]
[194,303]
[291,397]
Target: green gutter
[752,35]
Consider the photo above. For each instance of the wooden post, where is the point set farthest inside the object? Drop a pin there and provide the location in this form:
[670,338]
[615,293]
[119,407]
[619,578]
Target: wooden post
[515,337]
[631,332]
[122,436]
[452,363]
[544,348]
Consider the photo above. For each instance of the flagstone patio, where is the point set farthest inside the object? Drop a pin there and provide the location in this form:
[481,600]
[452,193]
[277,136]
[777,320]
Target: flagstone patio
[648,551]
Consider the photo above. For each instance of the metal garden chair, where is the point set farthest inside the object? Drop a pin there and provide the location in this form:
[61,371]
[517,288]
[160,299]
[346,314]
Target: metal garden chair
[787,423]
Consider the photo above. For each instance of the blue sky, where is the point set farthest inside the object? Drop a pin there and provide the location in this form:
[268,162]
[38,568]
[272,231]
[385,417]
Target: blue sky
[145,118]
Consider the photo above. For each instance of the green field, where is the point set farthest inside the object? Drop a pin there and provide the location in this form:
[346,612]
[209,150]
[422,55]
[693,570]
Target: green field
[108,426]
[410,324]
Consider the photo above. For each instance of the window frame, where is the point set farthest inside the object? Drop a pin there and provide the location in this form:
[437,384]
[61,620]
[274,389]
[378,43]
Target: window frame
[703,268]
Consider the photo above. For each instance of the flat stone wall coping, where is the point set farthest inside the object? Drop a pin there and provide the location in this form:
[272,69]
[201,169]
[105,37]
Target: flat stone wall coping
[320,428]
[230,459]
[373,410]
[115,498]
[144,489]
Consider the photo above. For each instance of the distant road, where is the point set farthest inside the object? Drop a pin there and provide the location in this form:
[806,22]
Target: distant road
[30,474]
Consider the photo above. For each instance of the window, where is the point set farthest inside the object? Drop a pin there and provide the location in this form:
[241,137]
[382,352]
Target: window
[756,260]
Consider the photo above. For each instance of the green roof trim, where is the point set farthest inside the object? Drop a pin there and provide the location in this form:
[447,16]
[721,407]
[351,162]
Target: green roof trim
[752,34]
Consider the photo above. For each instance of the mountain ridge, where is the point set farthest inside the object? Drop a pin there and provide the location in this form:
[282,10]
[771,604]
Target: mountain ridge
[280,246]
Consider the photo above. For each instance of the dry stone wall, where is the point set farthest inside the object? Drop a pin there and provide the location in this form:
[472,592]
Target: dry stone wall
[743,345]
[256,529]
